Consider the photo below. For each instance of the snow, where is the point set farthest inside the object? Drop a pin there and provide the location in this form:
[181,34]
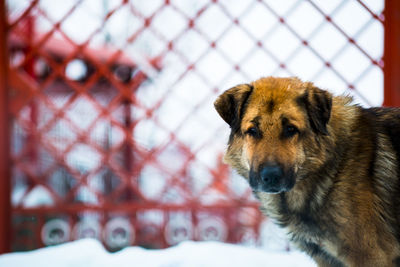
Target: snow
[90,253]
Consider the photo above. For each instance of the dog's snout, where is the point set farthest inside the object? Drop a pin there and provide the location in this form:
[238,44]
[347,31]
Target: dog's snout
[271,174]
[271,178]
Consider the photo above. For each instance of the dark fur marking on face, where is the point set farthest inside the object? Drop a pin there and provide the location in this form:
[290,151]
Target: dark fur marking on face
[254,131]
[270,106]
[256,121]
[288,130]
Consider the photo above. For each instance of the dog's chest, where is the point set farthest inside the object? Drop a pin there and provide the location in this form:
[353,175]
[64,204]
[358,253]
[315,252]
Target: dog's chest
[306,232]
[302,228]
[300,225]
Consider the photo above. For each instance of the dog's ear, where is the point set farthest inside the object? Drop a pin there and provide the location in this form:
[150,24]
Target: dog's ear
[318,104]
[230,104]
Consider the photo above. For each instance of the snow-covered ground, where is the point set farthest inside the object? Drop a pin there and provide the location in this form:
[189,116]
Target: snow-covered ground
[90,253]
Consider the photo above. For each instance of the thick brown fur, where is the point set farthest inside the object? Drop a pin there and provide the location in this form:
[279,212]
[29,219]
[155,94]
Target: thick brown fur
[344,206]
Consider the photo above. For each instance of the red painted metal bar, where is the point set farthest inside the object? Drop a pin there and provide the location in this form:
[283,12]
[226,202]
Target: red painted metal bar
[130,207]
[5,205]
[391,55]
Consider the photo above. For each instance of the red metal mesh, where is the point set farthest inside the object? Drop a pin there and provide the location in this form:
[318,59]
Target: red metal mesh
[113,131]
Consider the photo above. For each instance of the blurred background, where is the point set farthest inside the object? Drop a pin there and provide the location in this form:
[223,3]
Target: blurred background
[112,132]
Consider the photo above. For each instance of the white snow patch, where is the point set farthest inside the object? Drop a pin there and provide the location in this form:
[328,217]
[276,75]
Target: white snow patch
[90,253]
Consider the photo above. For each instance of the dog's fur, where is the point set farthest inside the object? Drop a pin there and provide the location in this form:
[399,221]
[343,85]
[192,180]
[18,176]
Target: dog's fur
[339,197]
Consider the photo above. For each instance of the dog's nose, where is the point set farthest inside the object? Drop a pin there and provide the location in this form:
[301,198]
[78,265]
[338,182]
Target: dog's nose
[271,175]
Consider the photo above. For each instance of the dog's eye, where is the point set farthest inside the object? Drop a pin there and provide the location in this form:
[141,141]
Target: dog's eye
[289,131]
[253,131]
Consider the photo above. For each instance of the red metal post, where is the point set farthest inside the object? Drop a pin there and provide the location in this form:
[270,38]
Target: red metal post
[5,183]
[391,54]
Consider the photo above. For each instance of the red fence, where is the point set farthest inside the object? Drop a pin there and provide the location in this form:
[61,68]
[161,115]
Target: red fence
[113,133]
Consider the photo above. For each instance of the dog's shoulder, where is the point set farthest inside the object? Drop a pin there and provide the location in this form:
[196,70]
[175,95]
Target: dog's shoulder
[385,121]
[384,116]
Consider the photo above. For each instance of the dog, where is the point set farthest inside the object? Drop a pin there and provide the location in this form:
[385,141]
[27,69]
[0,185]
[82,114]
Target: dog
[325,169]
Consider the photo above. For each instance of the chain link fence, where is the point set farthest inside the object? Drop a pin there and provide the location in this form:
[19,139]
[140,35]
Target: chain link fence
[113,133]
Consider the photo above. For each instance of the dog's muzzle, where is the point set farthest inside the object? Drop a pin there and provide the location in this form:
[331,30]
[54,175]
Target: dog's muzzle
[271,179]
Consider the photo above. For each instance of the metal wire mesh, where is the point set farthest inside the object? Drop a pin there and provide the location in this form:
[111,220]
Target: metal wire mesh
[113,131]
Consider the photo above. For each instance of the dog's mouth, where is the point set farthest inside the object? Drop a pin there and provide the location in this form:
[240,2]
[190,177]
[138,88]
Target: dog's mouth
[271,179]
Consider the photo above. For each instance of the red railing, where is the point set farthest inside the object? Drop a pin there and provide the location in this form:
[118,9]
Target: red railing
[113,133]
[5,181]
[392,53]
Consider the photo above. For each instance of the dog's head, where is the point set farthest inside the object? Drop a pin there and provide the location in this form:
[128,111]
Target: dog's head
[272,122]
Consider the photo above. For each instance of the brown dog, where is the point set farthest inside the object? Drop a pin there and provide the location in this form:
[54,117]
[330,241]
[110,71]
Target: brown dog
[325,169]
